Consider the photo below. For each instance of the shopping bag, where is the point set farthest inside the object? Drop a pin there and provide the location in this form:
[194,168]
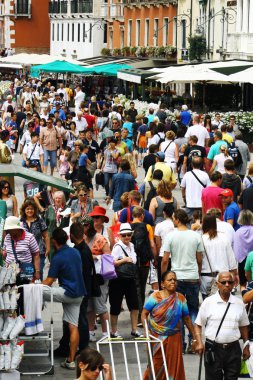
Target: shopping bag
[244,372]
[107,267]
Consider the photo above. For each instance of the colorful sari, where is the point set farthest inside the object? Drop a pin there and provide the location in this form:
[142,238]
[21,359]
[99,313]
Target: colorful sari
[164,322]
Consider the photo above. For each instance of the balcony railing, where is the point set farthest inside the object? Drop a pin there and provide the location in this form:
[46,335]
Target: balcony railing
[116,10]
[22,8]
[81,6]
[58,7]
[149,2]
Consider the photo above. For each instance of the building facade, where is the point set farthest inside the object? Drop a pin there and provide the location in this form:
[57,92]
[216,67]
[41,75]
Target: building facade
[78,28]
[24,26]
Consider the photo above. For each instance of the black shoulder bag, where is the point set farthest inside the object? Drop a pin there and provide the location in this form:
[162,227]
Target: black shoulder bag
[209,349]
[26,269]
[126,271]
[197,178]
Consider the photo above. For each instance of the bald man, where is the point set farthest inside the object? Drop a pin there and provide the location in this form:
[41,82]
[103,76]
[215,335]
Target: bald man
[225,320]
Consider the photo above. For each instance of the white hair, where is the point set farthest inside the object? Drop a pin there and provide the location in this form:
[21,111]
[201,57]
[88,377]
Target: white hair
[184,107]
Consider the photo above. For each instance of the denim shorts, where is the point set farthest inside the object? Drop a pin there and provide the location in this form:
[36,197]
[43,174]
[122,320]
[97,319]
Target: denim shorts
[52,154]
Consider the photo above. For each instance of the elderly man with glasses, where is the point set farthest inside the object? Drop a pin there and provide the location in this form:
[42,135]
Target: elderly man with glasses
[225,320]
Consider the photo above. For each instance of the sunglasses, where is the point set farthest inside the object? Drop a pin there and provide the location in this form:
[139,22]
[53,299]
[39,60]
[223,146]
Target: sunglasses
[92,369]
[225,282]
[82,195]
[126,235]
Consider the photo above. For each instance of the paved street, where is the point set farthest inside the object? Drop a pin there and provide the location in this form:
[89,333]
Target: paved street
[191,361]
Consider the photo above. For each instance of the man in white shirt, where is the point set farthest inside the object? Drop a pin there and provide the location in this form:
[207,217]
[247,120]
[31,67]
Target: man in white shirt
[33,151]
[7,103]
[61,90]
[26,138]
[27,96]
[222,348]
[81,123]
[217,121]
[192,185]
[79,98]
[198,130]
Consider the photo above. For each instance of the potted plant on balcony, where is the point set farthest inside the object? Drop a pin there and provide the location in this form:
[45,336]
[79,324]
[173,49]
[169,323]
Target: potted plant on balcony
[150,51]
[133,51]
[159,51]
[116,51]
[170,51]
[105,52]
[126,51]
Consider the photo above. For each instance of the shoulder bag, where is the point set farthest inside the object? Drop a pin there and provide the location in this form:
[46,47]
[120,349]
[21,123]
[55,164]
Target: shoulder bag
[211,288]
[26,269]
[197,178]
[126,271]
[107,267]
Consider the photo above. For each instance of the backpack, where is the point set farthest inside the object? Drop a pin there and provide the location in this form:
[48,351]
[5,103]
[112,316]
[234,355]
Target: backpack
[234,152]
[141,243]
[152,193]
[160,139]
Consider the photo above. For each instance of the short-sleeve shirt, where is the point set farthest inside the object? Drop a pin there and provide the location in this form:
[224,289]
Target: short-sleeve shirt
[66,265]
[83,160]
[143,129]
[49,137]
[162,229]
[215,149]
[36,228]
[148,218]
[26,248]
[249,263]
[211,198]
[120,247]
[232,212]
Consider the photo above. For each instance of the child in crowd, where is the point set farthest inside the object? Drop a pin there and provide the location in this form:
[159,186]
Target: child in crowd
[64,166]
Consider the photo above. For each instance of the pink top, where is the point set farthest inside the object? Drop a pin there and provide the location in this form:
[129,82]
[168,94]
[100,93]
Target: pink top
[211,199]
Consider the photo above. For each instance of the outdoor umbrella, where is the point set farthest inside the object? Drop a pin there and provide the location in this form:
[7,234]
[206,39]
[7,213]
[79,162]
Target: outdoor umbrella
[58,67]
[14,170]
[245,76]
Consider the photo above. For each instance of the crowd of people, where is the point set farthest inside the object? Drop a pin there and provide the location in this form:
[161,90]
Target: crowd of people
[182,246]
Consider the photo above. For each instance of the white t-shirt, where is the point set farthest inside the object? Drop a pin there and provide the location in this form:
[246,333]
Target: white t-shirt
[227,229]
[118,253]
[183,246]
[220,159]
[193,188]
[153,140]
[168,147]
[26,138]
[36,153]
[220,254]
[199,131]
[162,229]
[80,124]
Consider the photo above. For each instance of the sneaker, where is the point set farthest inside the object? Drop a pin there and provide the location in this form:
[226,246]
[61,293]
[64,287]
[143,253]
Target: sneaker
[68,365]
[137,334]
[60,353]
[116,335]
[92,337]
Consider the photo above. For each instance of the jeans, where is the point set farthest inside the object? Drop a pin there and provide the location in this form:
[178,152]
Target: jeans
[191,292]
[52,154]
[116,206]
[107,177]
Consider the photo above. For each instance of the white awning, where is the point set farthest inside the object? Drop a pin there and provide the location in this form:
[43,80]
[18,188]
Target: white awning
[10,66]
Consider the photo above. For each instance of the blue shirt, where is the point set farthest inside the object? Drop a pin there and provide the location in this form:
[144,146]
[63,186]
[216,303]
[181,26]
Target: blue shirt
[129,144]
[143,129]
[150,119]
[129,126]
[215,149]
[232,212]
[148,218]
[185,117]
[121,183]
[66,265]
[83,159]
[62,115]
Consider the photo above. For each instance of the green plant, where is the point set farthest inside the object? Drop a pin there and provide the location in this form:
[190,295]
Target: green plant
[133,50]
[170,50]
[126,50]
[116,51]
[197,48]
[105,52]
[160,51]
[141,51]
[150,51]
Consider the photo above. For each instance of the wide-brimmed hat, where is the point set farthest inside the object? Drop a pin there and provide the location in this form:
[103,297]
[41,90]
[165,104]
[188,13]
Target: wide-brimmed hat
[99,211]
[125,228]
[12,223]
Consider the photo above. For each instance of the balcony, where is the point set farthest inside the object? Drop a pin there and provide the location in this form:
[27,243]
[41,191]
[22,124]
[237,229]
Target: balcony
[58,7]
[81,6]
[149,2]
[116,11]
[240,45]
[22,8]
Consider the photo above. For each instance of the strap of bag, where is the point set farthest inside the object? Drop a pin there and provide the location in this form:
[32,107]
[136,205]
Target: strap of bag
[249,178]
[167,146]
[122,249]
[14,252]
[207,256]
[197,178]
[128,215]
[222,320]
[151,185]
[32,151]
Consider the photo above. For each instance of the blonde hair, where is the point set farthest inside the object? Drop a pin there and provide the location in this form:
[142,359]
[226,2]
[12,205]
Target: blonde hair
[93,99]
[129,158]
[250,170]
[163,189]
[60,193]
[170,135]
[224,149]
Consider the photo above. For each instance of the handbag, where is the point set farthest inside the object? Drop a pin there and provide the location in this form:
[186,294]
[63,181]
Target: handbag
[100,179]
[107,267]
[26,269]
[126,271]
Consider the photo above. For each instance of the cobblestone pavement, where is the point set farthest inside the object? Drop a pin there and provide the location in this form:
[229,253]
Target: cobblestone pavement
[191,361]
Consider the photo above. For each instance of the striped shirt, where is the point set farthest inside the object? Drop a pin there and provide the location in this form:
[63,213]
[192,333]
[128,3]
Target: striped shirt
[26,248]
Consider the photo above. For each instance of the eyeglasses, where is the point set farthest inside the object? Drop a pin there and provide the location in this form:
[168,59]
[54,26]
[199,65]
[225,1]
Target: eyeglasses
[225,282]
[6,187]
[126,235]
[82,195]
[92,369]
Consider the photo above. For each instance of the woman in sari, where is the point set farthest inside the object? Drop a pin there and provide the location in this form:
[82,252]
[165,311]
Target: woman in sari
[164,311]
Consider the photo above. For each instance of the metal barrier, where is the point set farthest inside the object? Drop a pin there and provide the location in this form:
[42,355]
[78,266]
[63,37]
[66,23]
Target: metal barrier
[136,343]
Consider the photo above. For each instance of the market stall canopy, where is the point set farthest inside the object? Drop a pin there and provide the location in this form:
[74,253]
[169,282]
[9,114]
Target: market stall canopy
[14,66]
[14,170]
[194,75]
[36,59]
[58,67]
[245,76]
[134,75]
[110,69]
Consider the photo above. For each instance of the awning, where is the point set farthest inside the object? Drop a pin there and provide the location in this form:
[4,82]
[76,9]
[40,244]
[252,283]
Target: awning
[245,76]
[58,67]
[36,59]
[110,69]
[134,75]
[10,66]
[14,170]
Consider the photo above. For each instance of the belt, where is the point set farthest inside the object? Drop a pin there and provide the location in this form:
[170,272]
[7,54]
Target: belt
[190,281]
[212,274]
[224,346]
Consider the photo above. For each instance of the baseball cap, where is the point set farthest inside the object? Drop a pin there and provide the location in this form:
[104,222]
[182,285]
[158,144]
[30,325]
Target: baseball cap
[160,155]
[227,193]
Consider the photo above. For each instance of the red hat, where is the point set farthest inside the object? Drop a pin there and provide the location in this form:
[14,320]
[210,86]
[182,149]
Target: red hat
[227,193]
[99,211]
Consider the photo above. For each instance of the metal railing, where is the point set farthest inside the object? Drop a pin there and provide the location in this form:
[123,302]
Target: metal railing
[81,6]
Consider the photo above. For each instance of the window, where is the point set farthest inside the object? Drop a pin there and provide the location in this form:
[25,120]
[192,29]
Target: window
[78,32]
[183,23]
[138,32]
[166,32]
[58,32]
[155,31]
[90,35]
[22,7]
[121,39]
[175,32]
[73,32]
[68,33]
[146,42]
[105,33]
[129,33]
[52,32]
[62,32]
[84,33]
